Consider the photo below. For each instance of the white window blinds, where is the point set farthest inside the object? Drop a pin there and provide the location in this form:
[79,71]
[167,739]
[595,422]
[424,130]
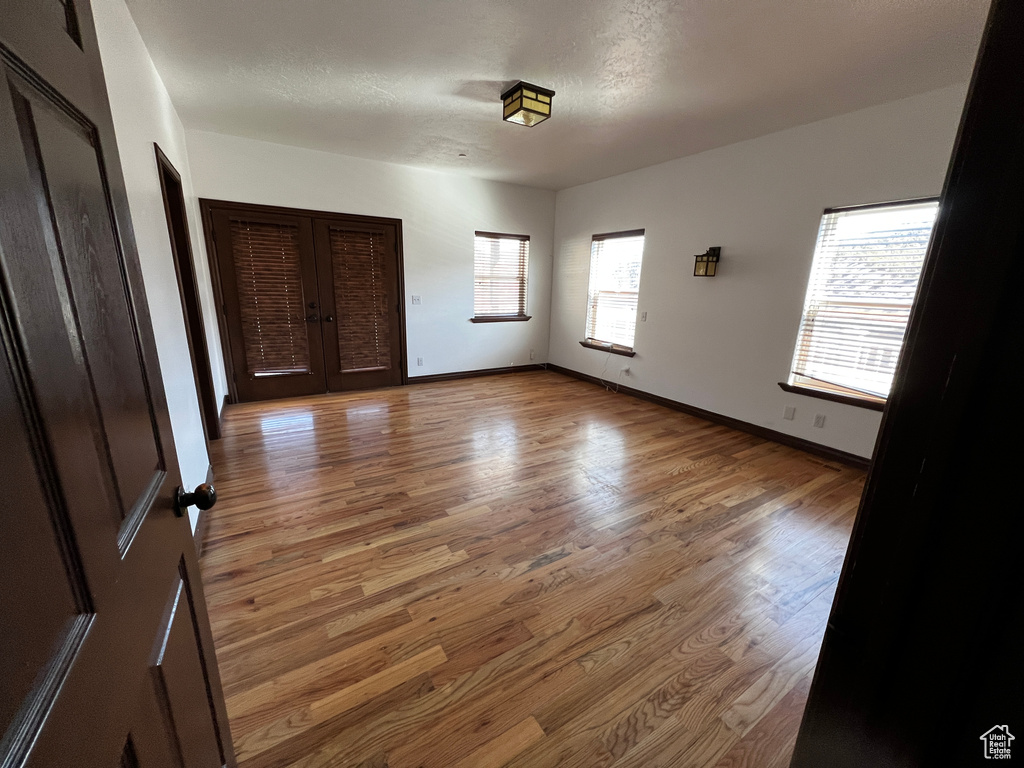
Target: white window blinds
[615,261]
[501,266]
[867,264]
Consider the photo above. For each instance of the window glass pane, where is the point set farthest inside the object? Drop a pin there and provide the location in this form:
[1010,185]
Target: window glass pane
[614,289]
[501,266]
[867,264]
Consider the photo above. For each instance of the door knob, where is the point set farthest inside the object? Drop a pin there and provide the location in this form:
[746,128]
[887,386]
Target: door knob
[312,318]
[328,318]
[204,497]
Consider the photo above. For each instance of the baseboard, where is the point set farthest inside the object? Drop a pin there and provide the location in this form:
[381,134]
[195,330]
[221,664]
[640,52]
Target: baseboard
[824,451]
[472,374]
[204,517]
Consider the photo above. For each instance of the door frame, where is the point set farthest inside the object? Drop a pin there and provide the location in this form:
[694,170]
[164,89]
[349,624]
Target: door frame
[207,207]
[188,291]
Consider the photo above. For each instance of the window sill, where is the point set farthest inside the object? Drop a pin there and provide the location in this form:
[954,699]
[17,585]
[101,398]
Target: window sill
[835,397]
[500,318]
[613,348]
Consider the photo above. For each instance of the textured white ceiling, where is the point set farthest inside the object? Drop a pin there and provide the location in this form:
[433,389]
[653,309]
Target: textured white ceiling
[638,81]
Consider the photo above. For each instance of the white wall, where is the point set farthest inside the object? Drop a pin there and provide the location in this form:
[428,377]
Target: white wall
[143,114]
[439,213]
[724,343]
[720,344]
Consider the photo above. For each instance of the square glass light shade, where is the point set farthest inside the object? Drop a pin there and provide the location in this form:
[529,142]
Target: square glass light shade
[526,104]
[706,264]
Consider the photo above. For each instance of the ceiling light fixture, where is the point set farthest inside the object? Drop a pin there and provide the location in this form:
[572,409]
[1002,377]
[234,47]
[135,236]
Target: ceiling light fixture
[526,104]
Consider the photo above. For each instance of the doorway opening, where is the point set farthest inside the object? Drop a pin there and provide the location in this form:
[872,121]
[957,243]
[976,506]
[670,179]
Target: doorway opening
[188,290]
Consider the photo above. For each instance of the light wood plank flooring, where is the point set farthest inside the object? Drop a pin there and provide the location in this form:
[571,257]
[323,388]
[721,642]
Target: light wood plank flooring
[521,570]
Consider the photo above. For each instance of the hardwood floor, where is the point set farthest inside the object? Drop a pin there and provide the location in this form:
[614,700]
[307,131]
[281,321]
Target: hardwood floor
[520,570]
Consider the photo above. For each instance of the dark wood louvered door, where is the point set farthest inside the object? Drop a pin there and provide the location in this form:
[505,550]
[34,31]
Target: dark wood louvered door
[271,302]
[106,653]
[359,288]
[311,300]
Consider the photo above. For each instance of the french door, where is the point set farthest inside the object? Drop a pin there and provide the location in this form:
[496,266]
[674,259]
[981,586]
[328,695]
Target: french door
[357,265]
[311,301]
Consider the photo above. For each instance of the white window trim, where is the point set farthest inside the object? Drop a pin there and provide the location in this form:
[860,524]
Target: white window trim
[818,367]
[481,314]
[614,344]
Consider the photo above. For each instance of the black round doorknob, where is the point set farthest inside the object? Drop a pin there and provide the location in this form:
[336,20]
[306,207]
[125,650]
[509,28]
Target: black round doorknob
[203,497]
[312,318]
[328,318]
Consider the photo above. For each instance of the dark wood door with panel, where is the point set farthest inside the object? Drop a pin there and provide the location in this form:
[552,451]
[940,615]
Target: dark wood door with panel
[311,300]
[270,300]
[359,292]
[107,656]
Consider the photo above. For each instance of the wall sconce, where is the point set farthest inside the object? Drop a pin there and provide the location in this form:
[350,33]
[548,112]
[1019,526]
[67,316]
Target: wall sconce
[706,264]
[526,104]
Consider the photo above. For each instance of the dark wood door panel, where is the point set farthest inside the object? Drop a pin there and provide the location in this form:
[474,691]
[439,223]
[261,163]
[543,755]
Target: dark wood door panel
[68,175]
[53,441]
[37,35]
[182,685]
[44,346]
[92,539]
[90,713]
[357,266]
[271,303]
[150,742]
[43,578]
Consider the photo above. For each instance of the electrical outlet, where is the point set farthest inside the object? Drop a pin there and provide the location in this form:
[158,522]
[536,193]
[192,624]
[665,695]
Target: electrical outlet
[643,317]
[415,299]
[819,420]
[625,370]
[531,354]
[419,361]
[790,413]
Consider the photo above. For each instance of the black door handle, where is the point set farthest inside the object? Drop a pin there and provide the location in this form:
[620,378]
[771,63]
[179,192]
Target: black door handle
[328,318]
[312,318]
[204,497]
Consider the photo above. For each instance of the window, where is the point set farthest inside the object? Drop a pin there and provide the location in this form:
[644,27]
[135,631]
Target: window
[863,280]
[614,290]
[500,269]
